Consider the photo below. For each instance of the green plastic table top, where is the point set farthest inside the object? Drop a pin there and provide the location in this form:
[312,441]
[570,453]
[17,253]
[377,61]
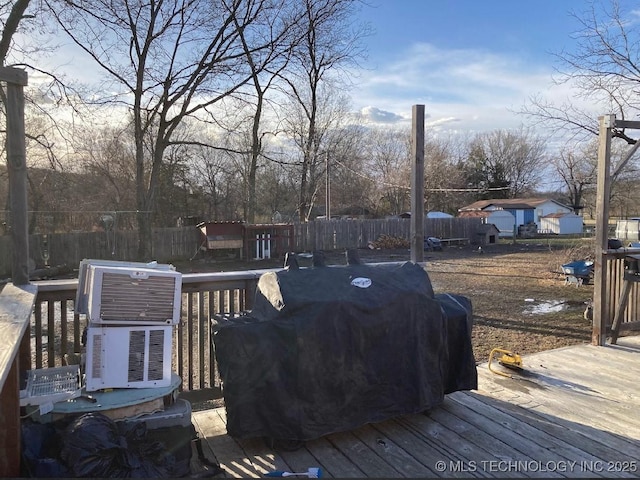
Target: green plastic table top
[116,398]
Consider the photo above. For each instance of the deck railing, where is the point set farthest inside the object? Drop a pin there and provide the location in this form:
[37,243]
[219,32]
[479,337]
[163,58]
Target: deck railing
[614,277]
[56,329]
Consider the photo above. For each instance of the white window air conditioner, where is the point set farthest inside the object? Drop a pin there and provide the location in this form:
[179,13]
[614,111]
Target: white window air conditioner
[128,357]
[132,295]
[82,293]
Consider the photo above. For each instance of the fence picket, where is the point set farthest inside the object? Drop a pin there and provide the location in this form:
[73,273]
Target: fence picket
[170,244]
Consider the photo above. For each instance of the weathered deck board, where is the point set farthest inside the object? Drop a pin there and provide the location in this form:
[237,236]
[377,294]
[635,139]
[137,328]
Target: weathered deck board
[572,412]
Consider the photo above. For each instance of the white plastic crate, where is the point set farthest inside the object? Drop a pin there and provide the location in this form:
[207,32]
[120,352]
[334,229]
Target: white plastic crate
[51,385]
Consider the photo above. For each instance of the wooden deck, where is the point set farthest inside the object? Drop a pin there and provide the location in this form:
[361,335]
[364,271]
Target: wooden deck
[573,412]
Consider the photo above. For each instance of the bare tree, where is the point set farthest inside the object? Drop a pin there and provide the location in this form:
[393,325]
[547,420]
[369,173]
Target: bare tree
[388,151]
[12,14]
[577,169]
[349,183]
[604,68]
[277,192]
[50,91]
[444,182]
[168,60]
[330,43]
[109,153]
[214,175]
[506,161]
[266,66]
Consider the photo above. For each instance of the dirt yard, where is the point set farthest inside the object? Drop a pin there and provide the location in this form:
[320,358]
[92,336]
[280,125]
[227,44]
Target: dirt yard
[520,300]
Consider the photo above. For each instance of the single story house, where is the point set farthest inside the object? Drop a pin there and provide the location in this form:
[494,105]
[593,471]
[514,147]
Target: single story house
[561,223]
[526,211]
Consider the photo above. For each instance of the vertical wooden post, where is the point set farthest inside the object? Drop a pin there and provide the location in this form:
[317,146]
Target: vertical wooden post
[17,168]
[10,441]
[10,451]
[417,184]
[603,189]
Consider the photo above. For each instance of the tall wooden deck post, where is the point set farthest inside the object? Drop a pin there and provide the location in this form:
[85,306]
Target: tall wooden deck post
[603,188]
[12,319]
[417,185]
[17,167]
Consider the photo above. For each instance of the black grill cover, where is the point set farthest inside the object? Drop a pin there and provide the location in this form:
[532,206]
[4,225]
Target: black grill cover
[329,349]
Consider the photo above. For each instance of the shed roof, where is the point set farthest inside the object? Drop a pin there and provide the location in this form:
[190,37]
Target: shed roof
[510,203]
[561,215]
[482,213]
[487,228]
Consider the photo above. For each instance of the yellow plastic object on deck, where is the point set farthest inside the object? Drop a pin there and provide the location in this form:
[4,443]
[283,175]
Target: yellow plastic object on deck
[507,359]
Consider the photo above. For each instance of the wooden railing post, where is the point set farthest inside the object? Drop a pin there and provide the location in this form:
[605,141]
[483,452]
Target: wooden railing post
[600,290]
[16,306]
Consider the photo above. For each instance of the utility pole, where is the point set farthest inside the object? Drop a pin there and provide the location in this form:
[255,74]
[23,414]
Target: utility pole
[327,200]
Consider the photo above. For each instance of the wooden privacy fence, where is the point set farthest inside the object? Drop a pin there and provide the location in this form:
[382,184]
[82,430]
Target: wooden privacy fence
[341,234]
[70,248]
[171,244]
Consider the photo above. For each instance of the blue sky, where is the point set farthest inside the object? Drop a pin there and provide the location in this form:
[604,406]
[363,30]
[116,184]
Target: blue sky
[472,63]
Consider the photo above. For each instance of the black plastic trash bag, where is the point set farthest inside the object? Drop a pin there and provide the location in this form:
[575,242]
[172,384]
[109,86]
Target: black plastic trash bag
[95,446]
[41,450]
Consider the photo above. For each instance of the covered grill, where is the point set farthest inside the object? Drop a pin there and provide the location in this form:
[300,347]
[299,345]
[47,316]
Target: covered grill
[328,349]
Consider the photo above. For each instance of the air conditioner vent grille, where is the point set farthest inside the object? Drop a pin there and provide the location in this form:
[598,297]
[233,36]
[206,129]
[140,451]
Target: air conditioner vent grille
[156,360]
[128,356]
[96,358]
[136,355]
[148,299]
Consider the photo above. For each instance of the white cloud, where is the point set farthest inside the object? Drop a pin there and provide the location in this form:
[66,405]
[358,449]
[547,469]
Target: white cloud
[376,115]
[443,121]
[476,90]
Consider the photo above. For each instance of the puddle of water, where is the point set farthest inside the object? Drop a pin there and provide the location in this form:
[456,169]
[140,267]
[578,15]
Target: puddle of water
[543,308]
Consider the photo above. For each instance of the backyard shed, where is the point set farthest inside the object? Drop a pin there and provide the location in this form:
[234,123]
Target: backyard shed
[222,236]
[561,223]
[250,241]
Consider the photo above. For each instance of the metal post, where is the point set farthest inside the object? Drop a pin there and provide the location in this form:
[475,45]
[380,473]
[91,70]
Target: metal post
[417,185]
